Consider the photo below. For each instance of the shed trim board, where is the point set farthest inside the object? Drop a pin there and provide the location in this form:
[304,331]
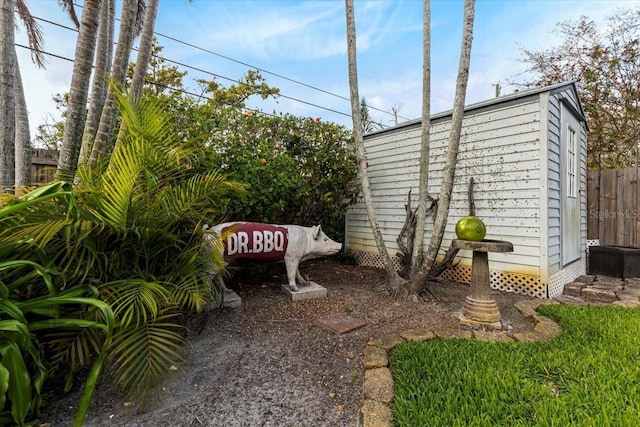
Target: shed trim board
[512,147]
[544,184]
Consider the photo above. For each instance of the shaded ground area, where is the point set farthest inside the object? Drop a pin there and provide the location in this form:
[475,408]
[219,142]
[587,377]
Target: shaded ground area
[269,364]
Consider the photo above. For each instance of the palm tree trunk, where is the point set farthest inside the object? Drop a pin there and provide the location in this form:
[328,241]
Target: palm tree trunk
[103,144]
[7,95]
[104,53]
[423,184]
[144,50]
[360,152]
[23,135]
[452,152]
[79,92]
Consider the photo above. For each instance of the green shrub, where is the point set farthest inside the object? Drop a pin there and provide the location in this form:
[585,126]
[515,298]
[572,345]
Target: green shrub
[131,230]
[26,320]
[298,170]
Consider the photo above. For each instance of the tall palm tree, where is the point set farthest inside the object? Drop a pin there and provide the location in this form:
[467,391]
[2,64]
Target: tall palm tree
[7,94]
[418,276]
[129,27]
[23,136]
[79,91]
[423,180]
[103,57]
[144,49]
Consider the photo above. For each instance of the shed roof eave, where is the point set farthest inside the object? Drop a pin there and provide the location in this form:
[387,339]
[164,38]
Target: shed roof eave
[482,104]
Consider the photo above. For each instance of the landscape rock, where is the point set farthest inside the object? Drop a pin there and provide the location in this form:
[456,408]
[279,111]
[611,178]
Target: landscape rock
[599,295]
[378,385]
[574,288]
[418,335]
[491,336]
[586,279]
[375,414]
[374,357]
[387,342]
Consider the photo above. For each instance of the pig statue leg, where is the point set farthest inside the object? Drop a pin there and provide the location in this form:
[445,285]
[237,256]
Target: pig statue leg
[292,272]
[220,281]
[301,279]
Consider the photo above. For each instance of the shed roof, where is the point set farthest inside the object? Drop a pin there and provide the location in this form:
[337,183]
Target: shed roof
[555,88]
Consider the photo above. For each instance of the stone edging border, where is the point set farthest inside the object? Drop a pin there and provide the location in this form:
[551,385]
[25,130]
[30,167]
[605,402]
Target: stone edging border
[378,381]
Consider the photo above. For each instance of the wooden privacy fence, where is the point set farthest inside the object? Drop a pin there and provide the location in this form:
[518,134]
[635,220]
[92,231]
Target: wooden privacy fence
[43,165]
[613,207]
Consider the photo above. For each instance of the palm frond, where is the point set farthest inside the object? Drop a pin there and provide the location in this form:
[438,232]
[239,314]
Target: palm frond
[146,355]
[72,348]
[119,185]
[135,301]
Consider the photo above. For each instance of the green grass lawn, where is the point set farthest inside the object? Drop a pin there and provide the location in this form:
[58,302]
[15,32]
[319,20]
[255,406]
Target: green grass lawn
[587,376]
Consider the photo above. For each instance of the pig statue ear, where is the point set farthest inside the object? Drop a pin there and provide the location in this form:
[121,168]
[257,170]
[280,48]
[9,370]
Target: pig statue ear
[316,232]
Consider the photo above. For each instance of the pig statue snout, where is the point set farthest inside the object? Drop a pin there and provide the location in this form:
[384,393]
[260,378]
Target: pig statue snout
[323,245]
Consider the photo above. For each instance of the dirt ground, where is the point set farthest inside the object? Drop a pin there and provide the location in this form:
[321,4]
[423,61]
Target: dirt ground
[269,364]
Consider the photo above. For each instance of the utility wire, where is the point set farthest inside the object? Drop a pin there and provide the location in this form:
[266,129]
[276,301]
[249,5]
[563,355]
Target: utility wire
[199,70]
[64,58]
[171,88]
[247,65]
[206,72]
[246,84]
[269,72]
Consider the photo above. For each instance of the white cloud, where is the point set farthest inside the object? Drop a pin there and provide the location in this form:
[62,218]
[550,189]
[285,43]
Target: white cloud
[306,40]
[265,30]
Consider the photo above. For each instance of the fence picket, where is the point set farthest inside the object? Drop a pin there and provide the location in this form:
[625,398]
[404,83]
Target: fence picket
[613,202]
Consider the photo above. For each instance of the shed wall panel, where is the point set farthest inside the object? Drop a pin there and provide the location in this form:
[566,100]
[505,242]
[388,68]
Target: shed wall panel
[511,148]
[499,148]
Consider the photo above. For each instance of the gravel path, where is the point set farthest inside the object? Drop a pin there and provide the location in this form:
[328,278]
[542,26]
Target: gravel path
[269,364]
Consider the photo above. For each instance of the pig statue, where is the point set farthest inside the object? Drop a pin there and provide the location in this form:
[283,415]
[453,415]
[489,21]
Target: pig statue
[274,243]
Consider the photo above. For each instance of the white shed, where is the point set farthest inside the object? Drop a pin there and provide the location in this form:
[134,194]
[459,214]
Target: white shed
[527,154]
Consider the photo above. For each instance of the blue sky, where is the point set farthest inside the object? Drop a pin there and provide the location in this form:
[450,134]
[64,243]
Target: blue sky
[305,41]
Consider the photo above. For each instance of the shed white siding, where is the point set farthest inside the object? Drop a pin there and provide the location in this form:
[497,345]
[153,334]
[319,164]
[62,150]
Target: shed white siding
[503,147]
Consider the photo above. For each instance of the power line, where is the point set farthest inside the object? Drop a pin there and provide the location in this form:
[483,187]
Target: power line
[44,52]
[186,92]
[200,70]
[250,66]
[246,84]
[174,89]
[266,71]
[206,72]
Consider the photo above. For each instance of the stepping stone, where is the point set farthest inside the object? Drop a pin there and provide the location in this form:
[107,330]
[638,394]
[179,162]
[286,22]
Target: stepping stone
[574,288]
[340,323]
[598,295]
[569,299]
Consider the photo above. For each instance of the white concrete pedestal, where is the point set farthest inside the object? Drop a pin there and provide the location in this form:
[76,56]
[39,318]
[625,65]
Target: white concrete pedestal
[231,299]
[310,291]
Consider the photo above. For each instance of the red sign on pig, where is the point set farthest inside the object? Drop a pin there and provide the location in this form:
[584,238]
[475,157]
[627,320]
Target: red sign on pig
[250,240]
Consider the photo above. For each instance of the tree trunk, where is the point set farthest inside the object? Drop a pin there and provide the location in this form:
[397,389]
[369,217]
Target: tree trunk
[103,58]
[423,185]
[144,50]
[360,152]
[103,143]
[7,95]
[452,152]
[79,92]
[23,135]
